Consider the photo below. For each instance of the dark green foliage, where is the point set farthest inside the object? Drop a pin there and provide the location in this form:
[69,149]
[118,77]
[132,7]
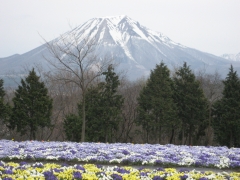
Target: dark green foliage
[32,106]
[95,112]
[5,109]
[72,127]
[227,112]
[157,111]
[2,93]
[111,103]
[191,105]
[2,106]
[103,108]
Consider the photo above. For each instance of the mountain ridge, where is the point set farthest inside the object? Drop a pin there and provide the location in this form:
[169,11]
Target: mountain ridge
[233,57]
[135,47]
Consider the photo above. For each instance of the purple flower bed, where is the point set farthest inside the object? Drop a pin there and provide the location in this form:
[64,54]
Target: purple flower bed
[132,154]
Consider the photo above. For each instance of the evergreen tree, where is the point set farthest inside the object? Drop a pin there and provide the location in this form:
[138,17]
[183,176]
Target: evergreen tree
[32,106]
[191,104]
[2,106]
[227,112]
[72,125]
[157,111]
[103,107]
[112,103]
[2,93]
[5,109]
[95,113]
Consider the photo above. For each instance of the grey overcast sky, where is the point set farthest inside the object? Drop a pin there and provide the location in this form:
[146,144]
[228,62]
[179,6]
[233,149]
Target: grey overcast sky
[211,26]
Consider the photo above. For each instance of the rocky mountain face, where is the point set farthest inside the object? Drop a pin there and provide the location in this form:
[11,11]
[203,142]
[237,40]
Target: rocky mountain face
[134,47]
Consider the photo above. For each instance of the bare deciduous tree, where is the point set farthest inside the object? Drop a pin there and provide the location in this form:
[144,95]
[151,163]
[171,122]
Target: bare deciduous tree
[130,91]
[74,61]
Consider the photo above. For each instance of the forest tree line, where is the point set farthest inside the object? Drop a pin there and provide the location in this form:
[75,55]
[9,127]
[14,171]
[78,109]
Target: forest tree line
[169,107]
[83,99]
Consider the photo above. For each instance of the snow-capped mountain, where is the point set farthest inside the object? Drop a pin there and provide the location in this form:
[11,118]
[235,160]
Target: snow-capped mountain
[232,57]
[134,47]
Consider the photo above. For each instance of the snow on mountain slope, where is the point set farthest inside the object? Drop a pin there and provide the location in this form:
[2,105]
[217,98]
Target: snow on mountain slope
[136,48]
[233,57]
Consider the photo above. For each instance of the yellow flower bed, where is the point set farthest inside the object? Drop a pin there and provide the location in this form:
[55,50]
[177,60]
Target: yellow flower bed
[51,171]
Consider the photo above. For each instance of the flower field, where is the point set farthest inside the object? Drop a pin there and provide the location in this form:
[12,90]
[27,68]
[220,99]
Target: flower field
[69,160]
[51,171]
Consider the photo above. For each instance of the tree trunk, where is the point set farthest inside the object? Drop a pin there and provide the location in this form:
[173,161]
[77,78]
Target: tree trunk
[34,136]
[159,135]
[106,136]
[231,139]
[172,136]
[83,118]
[182,135]
[208,135]
[190,135]
[147,134]
[31,133]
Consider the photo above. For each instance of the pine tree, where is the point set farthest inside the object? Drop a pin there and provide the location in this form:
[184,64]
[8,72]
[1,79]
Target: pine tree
[95,113]
[5,109]
[103,107]
[32,106]
[2,93]
[112,103]
[72,125]
[2,106]
[191,104]
[157,111]
[227,112]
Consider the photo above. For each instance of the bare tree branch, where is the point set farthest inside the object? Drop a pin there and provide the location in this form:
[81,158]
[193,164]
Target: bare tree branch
[74,60]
